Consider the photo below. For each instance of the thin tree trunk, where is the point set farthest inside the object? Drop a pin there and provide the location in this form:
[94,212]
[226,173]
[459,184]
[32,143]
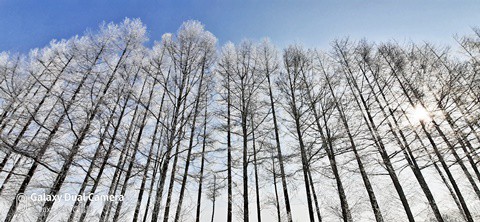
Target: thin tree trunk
[190,143]
[214,196]
[145,172]
[172,134]
[11,172]
[279,152]
[366,181]
[292,76]
[257,189]
[124,152]
[244,117]
[375,135]
[305,167]
[328,146]
[174,168]
[277,202]
[202,164]
[110,148]
[135,150]
[92,163]
[314,194]
[158,163]
[229,155]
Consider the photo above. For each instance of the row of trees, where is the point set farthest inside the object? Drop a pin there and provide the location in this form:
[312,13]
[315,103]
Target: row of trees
[381,132]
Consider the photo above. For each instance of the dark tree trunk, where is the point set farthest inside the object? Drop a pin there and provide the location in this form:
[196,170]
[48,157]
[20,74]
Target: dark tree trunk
[279,153]
[366,181]
[202,164]
[229,155]
[107,154]
[135,149]
[277,202]
[147,165]
[196,112]
[255,164]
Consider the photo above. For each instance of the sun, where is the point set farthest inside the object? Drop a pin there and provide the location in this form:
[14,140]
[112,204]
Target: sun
[419,114]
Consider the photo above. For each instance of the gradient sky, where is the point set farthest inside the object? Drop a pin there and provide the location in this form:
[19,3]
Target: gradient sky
[29,24]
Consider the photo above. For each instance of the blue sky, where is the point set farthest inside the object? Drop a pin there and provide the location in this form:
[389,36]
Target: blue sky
[29,24]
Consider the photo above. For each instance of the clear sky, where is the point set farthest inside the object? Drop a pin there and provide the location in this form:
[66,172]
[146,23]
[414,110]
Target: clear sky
[28,24]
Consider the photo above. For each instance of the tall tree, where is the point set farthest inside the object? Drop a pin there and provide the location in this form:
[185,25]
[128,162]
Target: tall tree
[290,85]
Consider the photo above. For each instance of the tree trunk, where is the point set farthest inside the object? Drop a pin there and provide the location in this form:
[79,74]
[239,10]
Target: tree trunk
[404,146]
[190,144]
[147,165]
[229,155]
[277,202]
[214,196]
[135,149]
[314,194]
[173,130]
[328,146]
[92,163]
[174,168]
[110,148]
[375,134]
[257,190]
[202,164]
[279,153]
[366,181]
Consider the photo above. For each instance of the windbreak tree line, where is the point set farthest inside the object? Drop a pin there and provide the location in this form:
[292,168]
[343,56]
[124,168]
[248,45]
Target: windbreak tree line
[187,131]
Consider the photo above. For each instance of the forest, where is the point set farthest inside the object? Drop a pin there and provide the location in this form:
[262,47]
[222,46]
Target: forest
[107,126]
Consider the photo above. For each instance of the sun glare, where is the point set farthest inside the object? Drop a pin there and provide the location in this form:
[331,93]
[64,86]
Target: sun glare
[419,114]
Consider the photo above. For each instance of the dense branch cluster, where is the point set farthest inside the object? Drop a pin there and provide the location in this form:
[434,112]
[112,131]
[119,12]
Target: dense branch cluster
[183,130]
